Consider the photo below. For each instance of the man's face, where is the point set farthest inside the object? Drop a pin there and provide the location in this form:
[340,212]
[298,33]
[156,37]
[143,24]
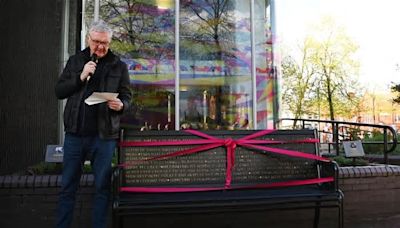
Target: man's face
[99,43]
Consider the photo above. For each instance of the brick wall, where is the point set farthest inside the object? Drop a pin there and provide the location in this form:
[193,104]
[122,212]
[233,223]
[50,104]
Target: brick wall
[30,201]
[371,192]
[372,195]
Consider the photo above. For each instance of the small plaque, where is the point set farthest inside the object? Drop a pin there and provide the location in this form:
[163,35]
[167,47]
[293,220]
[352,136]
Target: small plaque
[54,153]
[353,149]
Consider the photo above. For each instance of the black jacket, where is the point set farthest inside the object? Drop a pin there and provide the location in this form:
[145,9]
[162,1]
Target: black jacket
[115,78]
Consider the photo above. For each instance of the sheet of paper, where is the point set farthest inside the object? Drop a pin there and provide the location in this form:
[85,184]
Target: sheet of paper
[100,97]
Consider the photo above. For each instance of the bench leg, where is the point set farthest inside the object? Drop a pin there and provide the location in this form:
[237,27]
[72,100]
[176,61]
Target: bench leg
[116,221]
[316,214]
[341,217]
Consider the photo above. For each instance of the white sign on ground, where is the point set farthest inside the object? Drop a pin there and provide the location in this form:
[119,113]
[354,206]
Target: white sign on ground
[353,149]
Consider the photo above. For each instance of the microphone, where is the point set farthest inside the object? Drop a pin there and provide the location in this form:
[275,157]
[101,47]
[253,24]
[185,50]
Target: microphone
[93,58]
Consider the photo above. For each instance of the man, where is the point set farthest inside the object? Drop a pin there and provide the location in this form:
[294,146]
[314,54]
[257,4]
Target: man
[91,129]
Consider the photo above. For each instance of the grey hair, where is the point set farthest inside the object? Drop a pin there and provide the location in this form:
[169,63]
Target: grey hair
[100,26]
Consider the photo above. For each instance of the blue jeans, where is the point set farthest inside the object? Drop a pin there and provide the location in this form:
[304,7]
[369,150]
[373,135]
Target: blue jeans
[76,149]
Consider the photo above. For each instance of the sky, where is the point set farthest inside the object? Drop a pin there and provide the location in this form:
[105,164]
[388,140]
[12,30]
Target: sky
[373,25]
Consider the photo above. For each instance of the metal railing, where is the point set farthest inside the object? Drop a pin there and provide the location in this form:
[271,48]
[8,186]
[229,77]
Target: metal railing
[333,133]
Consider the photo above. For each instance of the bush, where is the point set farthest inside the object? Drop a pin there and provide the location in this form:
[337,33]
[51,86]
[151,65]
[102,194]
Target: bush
[44,168]
[343,161]
[48,168]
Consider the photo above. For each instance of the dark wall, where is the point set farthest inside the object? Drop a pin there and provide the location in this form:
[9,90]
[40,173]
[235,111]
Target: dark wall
[30,62]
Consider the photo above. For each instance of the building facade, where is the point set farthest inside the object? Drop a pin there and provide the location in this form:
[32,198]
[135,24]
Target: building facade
[199,64]
[194,64]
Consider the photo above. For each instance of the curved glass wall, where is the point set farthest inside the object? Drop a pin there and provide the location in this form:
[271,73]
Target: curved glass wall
[194,63]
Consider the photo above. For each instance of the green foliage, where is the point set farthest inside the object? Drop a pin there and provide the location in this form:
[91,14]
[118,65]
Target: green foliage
[397,150]
[297,86]
[122,47]
[396,89]
[45,168]
[322,79]
[343,161]
[369,140]
[51,168]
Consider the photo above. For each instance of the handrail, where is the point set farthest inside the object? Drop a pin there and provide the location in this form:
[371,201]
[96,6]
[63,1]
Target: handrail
[335,132]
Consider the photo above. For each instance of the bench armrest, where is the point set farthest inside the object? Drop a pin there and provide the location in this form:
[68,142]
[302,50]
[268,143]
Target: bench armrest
[330,169]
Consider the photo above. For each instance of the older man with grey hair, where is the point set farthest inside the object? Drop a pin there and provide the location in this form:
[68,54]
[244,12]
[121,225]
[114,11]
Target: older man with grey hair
[91,129]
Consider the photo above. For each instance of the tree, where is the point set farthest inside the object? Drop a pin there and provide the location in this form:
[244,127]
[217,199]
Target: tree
[208,34]
[395,88]
[213,22]
[141,30]
[323,79]
[336,68]
[297,82]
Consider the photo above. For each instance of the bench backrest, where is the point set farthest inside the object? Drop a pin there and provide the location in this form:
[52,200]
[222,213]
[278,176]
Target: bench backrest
[208,168]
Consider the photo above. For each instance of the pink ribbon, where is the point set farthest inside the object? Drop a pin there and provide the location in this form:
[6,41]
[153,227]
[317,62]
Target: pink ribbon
[211,142]
[257,186]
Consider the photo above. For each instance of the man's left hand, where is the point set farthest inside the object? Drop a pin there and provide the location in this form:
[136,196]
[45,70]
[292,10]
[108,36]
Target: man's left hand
[115,104]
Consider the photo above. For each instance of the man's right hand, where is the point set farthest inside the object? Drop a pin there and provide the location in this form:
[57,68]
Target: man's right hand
[88,70]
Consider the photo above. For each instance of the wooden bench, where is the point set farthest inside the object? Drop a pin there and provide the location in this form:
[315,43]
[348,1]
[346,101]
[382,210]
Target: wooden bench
[164,172]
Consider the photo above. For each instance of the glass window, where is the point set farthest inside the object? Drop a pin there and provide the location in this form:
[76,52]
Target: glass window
[144,37]
[215,64]
[266,79]
[217,68]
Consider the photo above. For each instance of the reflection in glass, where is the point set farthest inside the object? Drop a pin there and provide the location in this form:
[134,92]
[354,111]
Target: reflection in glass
[264,61]
[144,36]
[217,67]
[215,64]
